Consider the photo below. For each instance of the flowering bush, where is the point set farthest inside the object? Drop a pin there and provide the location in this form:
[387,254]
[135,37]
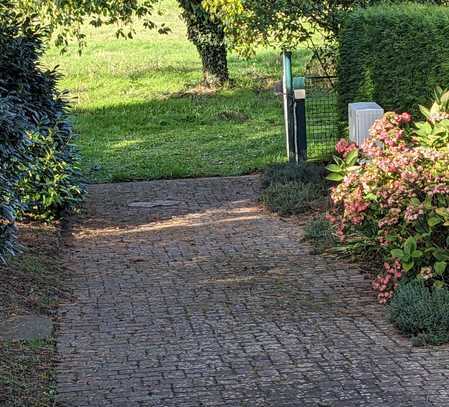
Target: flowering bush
[393,197]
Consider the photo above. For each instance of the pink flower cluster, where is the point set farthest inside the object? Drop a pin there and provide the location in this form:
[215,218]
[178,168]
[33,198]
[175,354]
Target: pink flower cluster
[404,118]
[386,134]
[344,147]
[386,284]
[396,187]
[413,212]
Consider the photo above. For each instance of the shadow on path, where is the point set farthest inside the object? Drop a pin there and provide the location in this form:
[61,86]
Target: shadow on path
[214,302]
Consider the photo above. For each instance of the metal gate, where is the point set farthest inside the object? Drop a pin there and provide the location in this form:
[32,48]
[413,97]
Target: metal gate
[310,110]
[321,117]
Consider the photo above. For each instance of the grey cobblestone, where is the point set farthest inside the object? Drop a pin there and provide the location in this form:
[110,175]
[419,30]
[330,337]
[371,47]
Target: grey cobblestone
[215,303]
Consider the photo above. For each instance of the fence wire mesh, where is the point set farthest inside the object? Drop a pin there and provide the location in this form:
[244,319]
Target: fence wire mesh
[321,116]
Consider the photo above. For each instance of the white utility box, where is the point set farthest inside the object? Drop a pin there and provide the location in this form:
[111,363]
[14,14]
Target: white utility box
[362,116]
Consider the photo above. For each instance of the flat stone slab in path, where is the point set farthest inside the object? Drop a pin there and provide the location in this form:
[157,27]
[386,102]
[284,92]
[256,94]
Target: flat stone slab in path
[26,327]
[153,204]
[215,302]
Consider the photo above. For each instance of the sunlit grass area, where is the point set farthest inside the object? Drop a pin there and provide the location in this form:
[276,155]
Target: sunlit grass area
[140,114]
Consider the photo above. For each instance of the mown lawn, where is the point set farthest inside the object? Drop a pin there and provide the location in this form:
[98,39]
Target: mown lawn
[141,115]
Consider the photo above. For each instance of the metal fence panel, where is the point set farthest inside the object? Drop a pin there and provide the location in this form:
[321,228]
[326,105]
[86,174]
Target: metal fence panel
[321,117]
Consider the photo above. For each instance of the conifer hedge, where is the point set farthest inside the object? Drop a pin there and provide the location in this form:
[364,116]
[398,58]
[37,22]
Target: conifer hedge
[395,55]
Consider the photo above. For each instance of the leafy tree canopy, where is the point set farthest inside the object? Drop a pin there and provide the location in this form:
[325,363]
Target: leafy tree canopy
[283,23]
[64,19]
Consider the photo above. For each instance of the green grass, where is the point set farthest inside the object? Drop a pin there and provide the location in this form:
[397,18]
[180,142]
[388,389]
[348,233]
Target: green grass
[139,118]
[27,374]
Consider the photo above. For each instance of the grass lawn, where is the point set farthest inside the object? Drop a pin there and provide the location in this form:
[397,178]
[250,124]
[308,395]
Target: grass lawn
[139,116]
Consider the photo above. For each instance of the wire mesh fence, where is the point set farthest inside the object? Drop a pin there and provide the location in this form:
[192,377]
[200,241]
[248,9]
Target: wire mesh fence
[321,116]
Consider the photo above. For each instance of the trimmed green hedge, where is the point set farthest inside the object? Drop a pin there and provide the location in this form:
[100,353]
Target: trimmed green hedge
[393,55]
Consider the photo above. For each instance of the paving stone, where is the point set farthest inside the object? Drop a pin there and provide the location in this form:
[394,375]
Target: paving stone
[153,204]
[26,327]
[215,302]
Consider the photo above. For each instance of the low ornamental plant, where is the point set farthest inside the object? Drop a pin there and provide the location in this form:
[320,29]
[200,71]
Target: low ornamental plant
[292,198]
[421,313]
[392,197]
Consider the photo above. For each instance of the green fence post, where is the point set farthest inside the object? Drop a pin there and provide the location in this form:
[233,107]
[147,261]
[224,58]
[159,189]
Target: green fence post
[287,85]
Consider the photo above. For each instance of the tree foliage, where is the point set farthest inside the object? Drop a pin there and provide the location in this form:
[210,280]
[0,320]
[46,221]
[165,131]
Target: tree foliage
[65,20]
[283,23]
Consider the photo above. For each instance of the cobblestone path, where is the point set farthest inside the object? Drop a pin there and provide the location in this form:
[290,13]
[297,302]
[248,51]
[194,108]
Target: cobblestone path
[213,302]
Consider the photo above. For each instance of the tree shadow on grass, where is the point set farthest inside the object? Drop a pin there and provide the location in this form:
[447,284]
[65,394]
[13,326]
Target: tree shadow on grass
[231,132]
[195,132]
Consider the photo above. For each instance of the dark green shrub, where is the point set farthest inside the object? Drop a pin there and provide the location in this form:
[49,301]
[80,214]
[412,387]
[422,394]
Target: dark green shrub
[421,312]
[394,55]
[13,154]
[292,198]
[38,164]
[304,172]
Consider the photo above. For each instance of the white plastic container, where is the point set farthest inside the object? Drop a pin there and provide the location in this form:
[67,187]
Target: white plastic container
[362,116]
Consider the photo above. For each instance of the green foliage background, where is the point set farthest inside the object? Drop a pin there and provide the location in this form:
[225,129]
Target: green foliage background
[394,55]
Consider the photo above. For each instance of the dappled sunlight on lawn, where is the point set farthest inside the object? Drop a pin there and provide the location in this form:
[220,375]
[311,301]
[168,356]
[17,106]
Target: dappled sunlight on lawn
[141,115]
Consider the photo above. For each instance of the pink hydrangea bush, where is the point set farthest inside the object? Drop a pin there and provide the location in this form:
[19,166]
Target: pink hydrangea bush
[392,198]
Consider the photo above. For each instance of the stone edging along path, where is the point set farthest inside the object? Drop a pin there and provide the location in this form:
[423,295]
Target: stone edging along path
[208,300]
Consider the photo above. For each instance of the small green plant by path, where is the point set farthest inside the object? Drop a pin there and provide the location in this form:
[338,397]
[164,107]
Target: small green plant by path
[421,312]
[292,198]
[141,115]
[292,189]
[320,232]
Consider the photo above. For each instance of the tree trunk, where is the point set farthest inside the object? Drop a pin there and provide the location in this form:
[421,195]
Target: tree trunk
[208,37]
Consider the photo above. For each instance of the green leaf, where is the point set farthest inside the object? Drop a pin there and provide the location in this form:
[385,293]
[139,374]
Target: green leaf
[440,255]
[339,161]
[410,245]
[417,254]
[443,212]
[408,266]
[335,177]
[439,284]
[398,253]
[440,267]
[334,168]
[428,203]
[433,221]
[351,158]
[424,111]
[371,197]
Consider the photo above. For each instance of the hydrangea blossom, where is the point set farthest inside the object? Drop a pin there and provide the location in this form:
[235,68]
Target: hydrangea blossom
[390,195]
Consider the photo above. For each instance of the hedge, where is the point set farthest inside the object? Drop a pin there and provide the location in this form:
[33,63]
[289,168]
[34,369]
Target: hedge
[39,175]
[394,55]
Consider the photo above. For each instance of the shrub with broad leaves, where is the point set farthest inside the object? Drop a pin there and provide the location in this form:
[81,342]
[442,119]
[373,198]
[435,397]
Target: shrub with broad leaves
[392,198]
[39,174]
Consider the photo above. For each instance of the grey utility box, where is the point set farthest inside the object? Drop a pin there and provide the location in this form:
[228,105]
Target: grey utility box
[362,116]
